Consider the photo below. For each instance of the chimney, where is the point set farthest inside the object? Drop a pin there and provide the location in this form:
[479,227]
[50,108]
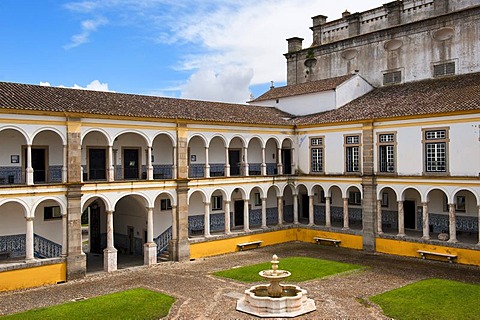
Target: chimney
[345,14]
[294,44]
[318,21]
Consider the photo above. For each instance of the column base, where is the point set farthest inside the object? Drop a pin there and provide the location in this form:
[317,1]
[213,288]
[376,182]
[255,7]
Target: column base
[149,253]
[452,240]
[402,235]
[426,237]
[76,266]
[109,259]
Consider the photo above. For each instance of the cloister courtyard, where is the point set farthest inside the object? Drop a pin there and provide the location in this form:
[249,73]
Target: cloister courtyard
[200,295]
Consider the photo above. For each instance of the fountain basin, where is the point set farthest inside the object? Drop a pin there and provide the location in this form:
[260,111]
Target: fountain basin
[291,303]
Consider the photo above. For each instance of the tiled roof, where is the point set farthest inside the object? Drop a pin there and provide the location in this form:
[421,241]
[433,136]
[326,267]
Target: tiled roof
[303,88]
[443,95]
[53,99]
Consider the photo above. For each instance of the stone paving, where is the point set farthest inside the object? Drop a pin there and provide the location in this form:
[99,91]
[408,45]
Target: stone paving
[200,295]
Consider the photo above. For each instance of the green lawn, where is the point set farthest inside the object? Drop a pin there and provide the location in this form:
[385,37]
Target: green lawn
[131,304]
[302,269]
[432,299]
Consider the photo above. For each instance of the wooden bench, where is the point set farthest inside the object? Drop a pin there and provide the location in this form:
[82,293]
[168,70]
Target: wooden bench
[336,242]
[450,257]
[4,254]
[254,244]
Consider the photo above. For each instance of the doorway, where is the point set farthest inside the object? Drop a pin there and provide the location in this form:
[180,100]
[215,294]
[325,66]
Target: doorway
[287,161]
[239,206]
[39,164]
[305,207]
[97,164]
[130,164]
[409,210]
[234,162]
[95,237]
[131,240]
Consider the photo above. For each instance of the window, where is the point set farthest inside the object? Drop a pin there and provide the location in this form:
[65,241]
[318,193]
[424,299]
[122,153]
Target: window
[385,199]
[165,204]
[460,203]
[217,202]
[258,200]
[316,151]
[352,153]
[50,213]
[322,197]
[386,152]
[435,150]
[392,77]
[355,198]
[444,69]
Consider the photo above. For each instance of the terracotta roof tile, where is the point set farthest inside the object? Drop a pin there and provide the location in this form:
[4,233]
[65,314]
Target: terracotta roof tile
[443,95]
[303,88]
[54,99]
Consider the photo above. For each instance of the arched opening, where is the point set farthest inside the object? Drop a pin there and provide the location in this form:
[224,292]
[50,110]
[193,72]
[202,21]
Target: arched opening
[303,204]
[287,156]
[354,207]
[46,157]
[12,157]
[288,204]
[254,157]
[236,157]
[216,157]
[12,232]
[196,214]
[48,230]
[95,157]
[163,157]
[196,157]
[336,209]
[130,157]
[319,205]
[389,211]
[271,157]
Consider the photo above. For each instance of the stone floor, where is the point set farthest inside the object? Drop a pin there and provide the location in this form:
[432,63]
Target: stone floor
[202,296]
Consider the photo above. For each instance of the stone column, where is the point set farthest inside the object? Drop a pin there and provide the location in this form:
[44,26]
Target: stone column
[29,243]
[110,253]
[345,214]
[328,215]
[226,205]
[311,211]
[227,163]
[246,216]
[206,219]
[150,247]
[64,235]
[295,209]
[207,164]
[149,163]
[279,161]
[111,168]
[280,210]
[264,165]
[401,220]
[369,188]
[174,166]
[264,213]
[76,259]
[181,247]
[29,169]
[379,217]
[425,221]
[245,162]
[173,245]
[64,166]
[452,223]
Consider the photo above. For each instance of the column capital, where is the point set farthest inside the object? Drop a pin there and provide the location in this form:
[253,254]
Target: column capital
[29,218]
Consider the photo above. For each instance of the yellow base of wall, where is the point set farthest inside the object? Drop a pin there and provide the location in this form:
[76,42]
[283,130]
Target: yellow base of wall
[33,277]
[409,249]
[222,246]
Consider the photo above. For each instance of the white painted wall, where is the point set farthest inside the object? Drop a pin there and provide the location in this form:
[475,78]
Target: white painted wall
[49,229]
[12,219]
[351,90]
[304,104]
[11,142]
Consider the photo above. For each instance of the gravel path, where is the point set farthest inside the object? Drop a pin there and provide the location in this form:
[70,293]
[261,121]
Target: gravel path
[203,296]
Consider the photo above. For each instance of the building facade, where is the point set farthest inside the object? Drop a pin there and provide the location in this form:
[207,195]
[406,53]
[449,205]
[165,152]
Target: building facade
[382,166]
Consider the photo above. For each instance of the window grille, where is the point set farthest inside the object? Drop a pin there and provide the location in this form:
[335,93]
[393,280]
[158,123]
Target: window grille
[392,77]
[444,69]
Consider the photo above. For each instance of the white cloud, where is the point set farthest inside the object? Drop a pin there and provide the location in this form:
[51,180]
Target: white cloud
[229,84]
[95,85]
[88,27]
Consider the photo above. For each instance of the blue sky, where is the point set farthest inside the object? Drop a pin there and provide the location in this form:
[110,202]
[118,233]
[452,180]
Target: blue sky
[222,50]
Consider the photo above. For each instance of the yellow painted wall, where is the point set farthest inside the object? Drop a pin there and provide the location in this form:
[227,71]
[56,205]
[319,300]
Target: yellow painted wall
[33,277]
[216,247]
[409,249]
[348,240]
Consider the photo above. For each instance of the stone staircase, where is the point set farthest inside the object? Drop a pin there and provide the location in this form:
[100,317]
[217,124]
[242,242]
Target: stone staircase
[164,256]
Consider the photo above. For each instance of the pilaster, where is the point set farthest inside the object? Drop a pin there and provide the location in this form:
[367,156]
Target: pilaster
[369,188]
[181,246]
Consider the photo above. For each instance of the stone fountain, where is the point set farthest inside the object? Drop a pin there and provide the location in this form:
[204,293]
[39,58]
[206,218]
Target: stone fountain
[275,300]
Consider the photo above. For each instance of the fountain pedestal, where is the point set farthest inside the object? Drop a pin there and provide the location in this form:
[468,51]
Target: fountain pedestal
[275,300]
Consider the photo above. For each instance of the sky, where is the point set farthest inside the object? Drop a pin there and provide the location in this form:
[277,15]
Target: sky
[217,50]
